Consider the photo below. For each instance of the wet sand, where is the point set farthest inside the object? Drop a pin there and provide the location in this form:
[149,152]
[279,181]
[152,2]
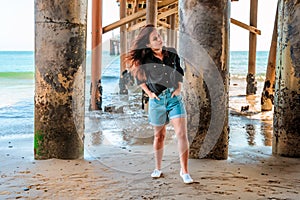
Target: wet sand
[118,161]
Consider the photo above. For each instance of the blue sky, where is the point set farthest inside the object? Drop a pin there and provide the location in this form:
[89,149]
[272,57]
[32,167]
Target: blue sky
[17,23]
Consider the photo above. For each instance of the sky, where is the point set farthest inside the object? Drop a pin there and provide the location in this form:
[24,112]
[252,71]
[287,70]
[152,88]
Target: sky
[17,24]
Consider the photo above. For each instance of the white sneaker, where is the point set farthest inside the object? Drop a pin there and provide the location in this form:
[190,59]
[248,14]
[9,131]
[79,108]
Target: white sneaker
[186,177]
[156,173]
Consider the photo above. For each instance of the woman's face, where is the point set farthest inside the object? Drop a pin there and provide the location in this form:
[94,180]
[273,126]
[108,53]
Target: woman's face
[155,41]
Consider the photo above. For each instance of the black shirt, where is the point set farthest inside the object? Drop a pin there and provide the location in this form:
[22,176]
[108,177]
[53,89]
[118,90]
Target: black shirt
[162,74]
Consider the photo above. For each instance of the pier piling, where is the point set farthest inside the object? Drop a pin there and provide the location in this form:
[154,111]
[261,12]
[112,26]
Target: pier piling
[267,96]
[204,49]
[286,132]
[60,57]
[251,82]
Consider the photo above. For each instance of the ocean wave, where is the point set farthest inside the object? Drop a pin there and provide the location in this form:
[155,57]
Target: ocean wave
[259,77]
[108,77]
[30,75]
[17,75]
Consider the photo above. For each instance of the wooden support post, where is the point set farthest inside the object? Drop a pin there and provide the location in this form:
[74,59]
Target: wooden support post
[251,83]
[174,31]
[267,96]
[123,48]
[286,133]
[171,33]
[112,51]
[132,33]
[204,47]
[151,18]
[60,65]
[117,43]
[96,87]
[151,12]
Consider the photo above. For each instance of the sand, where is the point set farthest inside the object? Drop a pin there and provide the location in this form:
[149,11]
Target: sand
[249,173]
[118,166]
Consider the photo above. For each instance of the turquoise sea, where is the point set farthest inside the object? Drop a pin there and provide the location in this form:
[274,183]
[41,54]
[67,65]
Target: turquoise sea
[17,88]
[17,85]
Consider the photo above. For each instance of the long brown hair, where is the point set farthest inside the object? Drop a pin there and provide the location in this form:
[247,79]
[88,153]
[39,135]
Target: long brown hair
[138,51]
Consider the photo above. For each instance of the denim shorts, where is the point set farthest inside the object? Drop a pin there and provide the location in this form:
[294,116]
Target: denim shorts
[162,111]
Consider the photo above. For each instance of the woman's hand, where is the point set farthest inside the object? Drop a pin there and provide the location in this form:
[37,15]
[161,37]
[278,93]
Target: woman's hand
[176,92]
[153,96]
[150,94]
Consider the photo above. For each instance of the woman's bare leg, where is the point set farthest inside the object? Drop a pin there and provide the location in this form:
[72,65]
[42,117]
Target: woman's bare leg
[158,144]
[180,126]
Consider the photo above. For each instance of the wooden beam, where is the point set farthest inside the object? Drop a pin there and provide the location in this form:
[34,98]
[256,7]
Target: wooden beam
[136,26]
[252,29]
[124,21]
[135,16]
[143,23]
[160,16]
[164,24]
[168,13]
[165,3]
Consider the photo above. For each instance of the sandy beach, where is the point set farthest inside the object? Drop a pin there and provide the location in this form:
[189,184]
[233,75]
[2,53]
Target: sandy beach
[118,161]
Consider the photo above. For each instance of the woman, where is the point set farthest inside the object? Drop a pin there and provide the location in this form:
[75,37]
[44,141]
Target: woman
[158,72]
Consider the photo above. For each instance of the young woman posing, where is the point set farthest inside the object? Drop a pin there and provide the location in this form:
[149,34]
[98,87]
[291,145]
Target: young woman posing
[158,72]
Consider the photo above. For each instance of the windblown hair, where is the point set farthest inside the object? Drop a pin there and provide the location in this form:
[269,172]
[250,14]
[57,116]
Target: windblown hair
[138,51]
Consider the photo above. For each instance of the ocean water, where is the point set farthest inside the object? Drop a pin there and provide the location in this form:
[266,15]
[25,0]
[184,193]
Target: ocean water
[239,64]
[17,85]
[17,88]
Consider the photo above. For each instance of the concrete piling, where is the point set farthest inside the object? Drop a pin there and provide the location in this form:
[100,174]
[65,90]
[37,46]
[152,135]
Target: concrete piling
[286,132]
[267,96]
[60,57]
[204,51]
